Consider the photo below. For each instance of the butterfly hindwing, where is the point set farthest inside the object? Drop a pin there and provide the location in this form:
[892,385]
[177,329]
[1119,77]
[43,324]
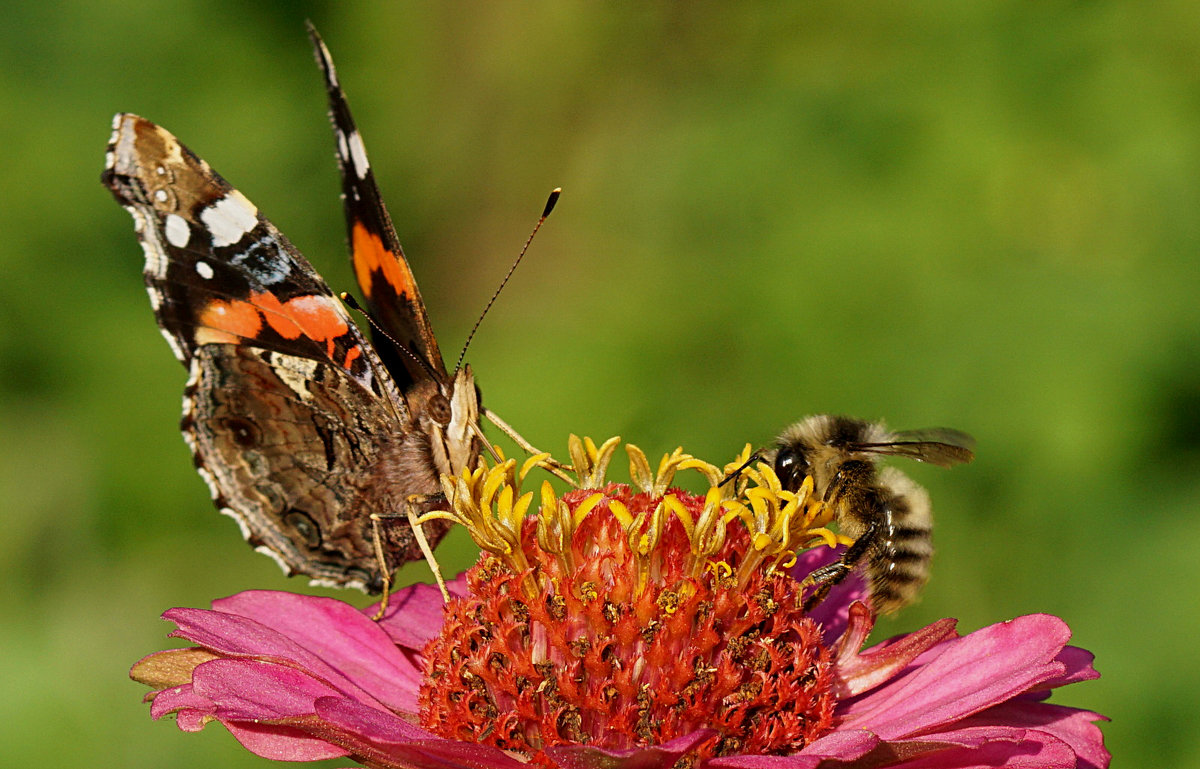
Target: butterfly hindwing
[288,446]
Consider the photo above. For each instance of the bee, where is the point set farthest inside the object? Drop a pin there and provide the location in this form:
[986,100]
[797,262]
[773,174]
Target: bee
[881,509]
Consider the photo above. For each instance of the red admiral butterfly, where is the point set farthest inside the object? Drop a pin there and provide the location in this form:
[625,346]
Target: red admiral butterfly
[306,433]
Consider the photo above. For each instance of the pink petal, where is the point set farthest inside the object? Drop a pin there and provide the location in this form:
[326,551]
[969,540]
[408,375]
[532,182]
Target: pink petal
[859,622]
[414,615]
[270,708]
[1079,667]
[988,748]
[282,743]
[449,754]
[196,708]
[835,748]
[963,676]
[363,653]
[661,756]
[189,720]
[251,690]
[374,725]
[180,698]
[861,672]
[330,638]
[388,740]
[1074,727]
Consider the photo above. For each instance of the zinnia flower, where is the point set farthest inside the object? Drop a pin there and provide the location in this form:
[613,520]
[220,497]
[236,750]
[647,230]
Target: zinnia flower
[625,627]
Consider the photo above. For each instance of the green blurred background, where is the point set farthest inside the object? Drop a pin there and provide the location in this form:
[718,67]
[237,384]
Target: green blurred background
[984,215]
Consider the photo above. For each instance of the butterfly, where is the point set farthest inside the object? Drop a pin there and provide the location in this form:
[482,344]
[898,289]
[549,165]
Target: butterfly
[307,434]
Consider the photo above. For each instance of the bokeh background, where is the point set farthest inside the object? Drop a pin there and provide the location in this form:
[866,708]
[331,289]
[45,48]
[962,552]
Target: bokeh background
[984,215]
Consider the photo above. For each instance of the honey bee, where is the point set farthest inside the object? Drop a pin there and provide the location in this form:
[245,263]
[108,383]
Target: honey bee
[881,509]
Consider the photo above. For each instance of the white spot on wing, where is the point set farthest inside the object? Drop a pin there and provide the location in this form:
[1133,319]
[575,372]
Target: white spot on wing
[329,66]
[357,584]
[241,522]
[343,148]
[265,549]
[178,231]
[359,154]
[230,218]
[205,270]
[139,220]
[156,267]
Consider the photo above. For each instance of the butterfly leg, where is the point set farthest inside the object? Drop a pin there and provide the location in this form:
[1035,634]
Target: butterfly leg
[377,542]
[412,507]
[552,464]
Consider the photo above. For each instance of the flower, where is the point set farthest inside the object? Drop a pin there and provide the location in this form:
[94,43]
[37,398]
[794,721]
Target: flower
[625,627]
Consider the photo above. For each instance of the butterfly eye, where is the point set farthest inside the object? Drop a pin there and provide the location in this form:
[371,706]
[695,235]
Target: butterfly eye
[791,466]
[439,409]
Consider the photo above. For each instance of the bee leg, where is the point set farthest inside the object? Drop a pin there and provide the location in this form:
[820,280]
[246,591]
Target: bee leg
[831,574]
[413,506]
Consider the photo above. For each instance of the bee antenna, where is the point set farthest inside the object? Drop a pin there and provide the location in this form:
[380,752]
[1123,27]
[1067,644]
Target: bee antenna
[541,220]
[753,458]
[353,304]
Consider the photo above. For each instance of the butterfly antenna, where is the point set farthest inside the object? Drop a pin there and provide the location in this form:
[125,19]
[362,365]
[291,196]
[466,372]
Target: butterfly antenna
[545,213]
[353,304]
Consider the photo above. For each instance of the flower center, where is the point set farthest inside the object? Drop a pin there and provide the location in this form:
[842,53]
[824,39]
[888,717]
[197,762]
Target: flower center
[619,618]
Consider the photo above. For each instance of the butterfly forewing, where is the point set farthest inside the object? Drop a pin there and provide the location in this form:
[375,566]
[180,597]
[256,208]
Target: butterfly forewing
[216,270]
[383,274]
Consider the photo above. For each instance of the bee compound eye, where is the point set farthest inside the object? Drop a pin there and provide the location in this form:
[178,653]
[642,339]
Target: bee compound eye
[791,467]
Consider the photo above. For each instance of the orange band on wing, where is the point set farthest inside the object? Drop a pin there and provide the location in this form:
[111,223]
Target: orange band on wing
[318,317]
[315,317]
[371,256]
[277,315]
[222,321]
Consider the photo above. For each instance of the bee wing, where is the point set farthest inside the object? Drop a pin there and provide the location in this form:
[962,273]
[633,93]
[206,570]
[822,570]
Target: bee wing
[940,446]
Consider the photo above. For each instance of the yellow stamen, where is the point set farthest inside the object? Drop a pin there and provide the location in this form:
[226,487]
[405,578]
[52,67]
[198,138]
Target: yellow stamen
[587,505]
[488,501]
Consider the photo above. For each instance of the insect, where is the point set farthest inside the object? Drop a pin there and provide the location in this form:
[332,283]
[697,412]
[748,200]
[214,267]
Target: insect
[881,509]
[308,435]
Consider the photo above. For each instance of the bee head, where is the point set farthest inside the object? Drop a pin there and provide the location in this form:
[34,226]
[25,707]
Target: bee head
[791,465]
